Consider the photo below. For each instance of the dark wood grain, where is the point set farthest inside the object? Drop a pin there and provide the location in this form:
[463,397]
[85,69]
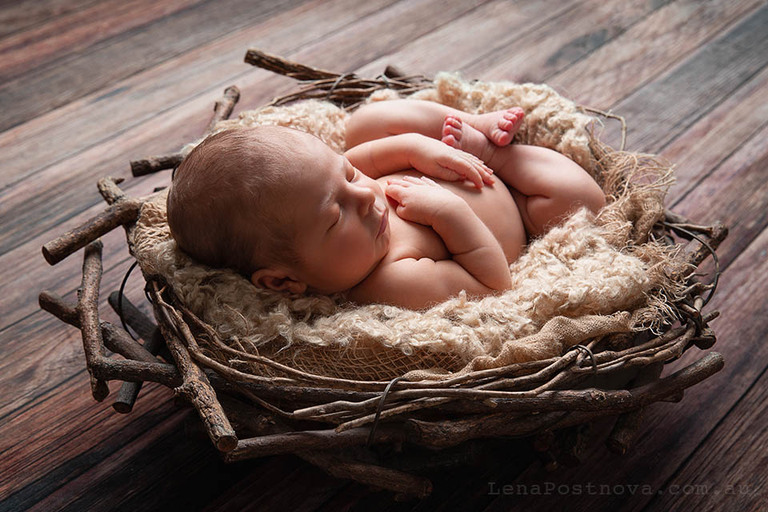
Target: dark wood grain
[647,49]
[503,24]
[736,193]
[591,26]
[75,32]
[666,107]
[70,425]
[17,16]
[727,469]
[203,71]
[38,91]
[719,134]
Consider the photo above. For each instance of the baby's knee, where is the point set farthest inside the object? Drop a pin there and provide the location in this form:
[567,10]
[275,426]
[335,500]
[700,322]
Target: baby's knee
[595,198]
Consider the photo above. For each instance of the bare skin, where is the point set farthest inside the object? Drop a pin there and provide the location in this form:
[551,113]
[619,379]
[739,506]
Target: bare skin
[387,118]
[457,230]
[546,185]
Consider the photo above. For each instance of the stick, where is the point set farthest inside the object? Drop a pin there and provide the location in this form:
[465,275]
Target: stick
[117,341]
[670,386]
[285,67]
[109,190]
[369,474]
[223,107]
[628,424]
[449,433]
[129,391]
[195,386]
[148,331]
[88,313]
[133,316]
[116,215]
[154,164]
[310,440]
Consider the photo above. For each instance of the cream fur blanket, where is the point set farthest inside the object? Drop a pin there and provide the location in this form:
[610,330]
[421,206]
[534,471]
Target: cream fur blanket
[586,278]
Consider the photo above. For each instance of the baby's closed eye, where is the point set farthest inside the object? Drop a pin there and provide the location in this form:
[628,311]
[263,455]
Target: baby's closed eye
[336,216]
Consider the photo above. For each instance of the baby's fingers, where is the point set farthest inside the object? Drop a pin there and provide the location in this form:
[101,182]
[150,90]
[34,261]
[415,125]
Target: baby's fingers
[482,174]
[397,189]
[472,169]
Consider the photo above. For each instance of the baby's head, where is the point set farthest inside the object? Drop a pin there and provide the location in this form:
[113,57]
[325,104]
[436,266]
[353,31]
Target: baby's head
[280,207]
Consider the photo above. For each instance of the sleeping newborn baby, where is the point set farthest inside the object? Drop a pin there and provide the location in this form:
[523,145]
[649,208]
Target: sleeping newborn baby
[426,201]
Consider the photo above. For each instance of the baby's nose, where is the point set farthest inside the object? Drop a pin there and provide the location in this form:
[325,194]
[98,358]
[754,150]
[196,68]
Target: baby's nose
[367,198]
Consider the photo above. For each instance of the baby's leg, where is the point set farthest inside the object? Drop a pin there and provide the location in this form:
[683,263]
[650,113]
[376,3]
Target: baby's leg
[546,185]
[384,118]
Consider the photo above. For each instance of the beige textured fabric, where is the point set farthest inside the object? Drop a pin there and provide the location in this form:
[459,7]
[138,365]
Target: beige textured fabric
[586,278]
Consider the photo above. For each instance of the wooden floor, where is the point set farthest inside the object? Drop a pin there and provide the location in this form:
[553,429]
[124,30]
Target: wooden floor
[87,85]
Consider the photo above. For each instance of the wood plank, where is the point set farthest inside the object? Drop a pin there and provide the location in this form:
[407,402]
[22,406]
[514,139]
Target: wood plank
[43,443]
[163,469]
[736,193]
[39,91]
[89,483]
[65,35]
[718,135]
[392,31]
[728,468]
[300,487]
[504,24]
[665,108]
[647,49]
[40,352]
[18,16]
[591,25]
[205,70]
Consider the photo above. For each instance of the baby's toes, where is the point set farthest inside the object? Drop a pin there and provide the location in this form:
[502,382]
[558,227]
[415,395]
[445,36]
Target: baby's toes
[451,134]
[512,119]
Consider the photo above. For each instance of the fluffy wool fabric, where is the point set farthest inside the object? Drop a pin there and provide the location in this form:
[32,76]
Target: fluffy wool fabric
[588,277]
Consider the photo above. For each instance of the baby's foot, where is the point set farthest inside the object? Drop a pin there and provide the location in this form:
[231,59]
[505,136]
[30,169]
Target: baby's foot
[463,136]
[500,126]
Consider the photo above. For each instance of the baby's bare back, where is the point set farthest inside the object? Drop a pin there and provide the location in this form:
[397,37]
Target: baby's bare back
[494,206]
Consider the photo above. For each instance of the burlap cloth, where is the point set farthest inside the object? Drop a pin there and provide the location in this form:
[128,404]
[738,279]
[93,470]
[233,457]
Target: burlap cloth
[589,277]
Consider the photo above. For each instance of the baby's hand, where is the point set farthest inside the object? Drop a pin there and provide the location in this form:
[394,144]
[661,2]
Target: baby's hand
[434,158]
[420,199]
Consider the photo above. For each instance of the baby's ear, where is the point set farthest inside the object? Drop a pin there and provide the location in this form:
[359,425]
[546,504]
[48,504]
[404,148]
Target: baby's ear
[277,280]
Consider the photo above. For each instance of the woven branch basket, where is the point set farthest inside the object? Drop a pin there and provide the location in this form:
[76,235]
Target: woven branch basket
[336,423]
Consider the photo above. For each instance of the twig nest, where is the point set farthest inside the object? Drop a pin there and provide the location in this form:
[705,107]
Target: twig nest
[589,277]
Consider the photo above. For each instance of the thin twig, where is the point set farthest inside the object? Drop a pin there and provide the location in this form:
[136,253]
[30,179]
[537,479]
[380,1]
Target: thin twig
[88,313]
[118,214]
[611,115]
[195,386]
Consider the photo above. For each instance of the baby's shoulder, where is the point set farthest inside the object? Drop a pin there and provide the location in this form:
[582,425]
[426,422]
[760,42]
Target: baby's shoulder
[370,289]
[407,282]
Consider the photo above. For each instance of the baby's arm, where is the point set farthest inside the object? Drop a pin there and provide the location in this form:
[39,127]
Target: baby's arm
[381,157]
[478,264]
